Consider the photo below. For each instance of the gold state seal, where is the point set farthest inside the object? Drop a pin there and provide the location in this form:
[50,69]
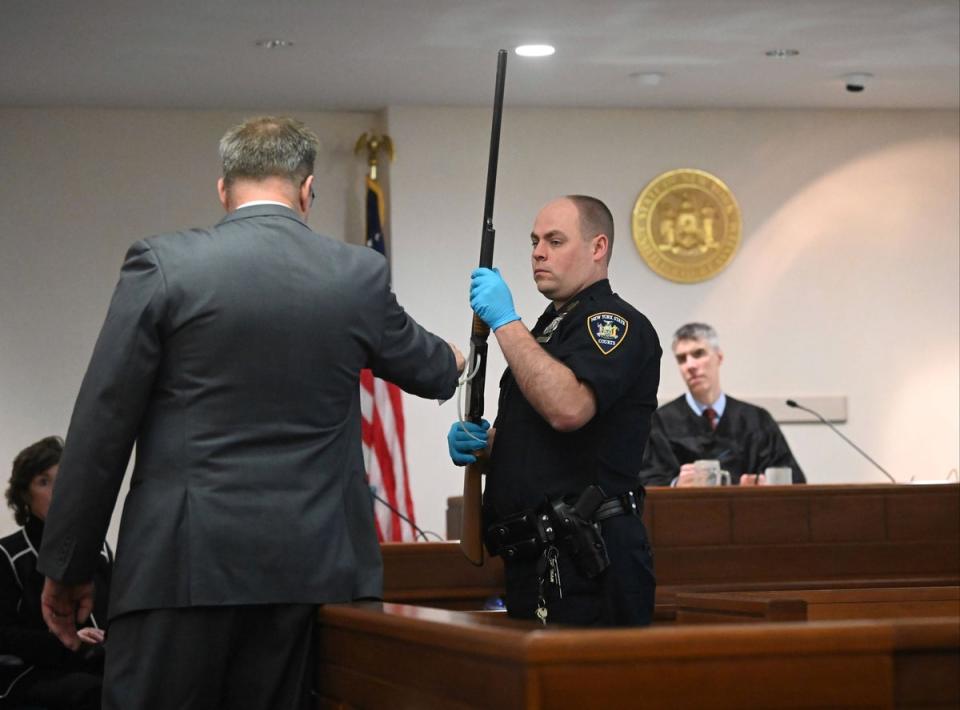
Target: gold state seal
[686,225]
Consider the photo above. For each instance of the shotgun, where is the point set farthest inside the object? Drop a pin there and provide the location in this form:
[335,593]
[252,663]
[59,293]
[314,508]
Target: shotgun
[471,538]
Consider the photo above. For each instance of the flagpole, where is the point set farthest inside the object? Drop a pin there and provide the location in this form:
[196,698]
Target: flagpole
[386,460]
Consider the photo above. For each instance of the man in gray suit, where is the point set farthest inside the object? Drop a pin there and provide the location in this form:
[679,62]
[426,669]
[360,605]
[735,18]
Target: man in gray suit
[231,357]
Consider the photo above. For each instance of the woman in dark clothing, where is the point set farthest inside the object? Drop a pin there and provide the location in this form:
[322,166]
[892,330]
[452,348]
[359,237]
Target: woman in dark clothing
[34,665]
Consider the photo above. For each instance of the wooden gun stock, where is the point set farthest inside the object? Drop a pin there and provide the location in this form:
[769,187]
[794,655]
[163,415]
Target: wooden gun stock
[471,533]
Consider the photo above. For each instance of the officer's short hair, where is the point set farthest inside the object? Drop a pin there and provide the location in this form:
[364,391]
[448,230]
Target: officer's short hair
[595,218]
[268,146]
[696,331]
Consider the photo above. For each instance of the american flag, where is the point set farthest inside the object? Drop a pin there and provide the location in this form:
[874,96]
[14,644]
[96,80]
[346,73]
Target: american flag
[381,407]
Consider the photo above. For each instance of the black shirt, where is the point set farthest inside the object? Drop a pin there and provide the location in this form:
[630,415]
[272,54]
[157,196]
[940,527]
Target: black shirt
[23,632]
[611,347]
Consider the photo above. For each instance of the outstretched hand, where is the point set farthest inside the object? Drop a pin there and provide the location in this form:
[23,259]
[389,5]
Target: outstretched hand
[458,357]
[64,606]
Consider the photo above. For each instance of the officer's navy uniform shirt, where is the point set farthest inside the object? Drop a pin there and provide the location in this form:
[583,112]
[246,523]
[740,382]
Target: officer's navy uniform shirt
[611,347]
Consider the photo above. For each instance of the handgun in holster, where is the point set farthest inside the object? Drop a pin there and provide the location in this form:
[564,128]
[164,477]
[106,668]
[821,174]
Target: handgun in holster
[580,534]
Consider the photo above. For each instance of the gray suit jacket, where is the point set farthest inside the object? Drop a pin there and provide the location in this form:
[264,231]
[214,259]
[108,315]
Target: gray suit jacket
[231,357]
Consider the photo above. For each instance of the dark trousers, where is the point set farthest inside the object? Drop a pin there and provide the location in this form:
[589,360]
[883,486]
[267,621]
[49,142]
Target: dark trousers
[622,595]
[56,690]
[211,658]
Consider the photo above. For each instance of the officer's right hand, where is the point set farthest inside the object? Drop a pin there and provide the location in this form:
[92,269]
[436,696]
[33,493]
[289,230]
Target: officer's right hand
[463,445]
[490,298]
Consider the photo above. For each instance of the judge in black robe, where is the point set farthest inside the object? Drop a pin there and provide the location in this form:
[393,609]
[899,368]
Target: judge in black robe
[746,440]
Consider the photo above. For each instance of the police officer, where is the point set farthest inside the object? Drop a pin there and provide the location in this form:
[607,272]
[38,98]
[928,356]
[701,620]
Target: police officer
[563,502]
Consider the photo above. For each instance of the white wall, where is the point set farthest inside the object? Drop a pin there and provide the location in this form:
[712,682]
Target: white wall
[846,281]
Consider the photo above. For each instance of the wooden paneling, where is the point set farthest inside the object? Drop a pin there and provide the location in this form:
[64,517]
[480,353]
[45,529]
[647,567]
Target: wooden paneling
[795,563]
[931,512]
[777,537]
[694,522]
[437,574]
[847,518]
[770,520]
[927,664]
[408,657]
[853,554]
[788,536]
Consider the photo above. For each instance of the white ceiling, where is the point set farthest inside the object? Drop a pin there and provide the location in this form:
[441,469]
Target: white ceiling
[368,54]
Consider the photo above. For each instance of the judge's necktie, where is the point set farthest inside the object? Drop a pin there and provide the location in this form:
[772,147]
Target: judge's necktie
[711,415]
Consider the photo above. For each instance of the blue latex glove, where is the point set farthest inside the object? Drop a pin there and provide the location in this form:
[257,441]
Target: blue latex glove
[462,446]
[490,298]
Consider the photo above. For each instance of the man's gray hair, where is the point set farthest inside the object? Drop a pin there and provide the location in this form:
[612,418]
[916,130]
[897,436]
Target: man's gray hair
[268,146]
[697,331]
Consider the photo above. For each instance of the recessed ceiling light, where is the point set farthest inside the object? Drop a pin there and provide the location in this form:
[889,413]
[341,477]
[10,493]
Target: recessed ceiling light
[274,43]
[647,78]
[535,50]
[782,53]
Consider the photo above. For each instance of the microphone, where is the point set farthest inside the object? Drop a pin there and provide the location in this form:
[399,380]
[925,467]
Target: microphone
[420,532]
[792,403]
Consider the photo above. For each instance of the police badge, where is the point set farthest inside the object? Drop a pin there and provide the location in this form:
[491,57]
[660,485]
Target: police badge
[608,330]
[547,333]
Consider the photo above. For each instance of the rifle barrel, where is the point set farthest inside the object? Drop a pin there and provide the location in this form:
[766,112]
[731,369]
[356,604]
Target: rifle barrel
[471,540]
[479,331]
[494,150]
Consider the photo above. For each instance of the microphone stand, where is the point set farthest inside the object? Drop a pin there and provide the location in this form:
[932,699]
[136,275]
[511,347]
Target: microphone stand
[792,403]
[420,532]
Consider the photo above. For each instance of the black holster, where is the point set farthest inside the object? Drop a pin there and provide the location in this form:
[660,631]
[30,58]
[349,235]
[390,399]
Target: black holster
[524,536]
[579,533]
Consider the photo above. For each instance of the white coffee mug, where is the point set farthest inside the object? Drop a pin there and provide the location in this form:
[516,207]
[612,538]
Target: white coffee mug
[708,473]
[778,475]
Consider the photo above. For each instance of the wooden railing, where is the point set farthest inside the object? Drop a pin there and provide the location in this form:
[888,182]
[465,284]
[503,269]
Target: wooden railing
[754,568]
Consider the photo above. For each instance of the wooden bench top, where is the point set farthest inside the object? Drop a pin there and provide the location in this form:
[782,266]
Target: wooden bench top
[818,604]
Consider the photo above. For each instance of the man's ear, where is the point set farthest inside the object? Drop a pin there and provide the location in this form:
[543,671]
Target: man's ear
[306,194]
[600,246]
[222,194]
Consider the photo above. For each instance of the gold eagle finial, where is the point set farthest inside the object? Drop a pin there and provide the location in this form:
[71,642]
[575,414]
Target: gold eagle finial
[373,143]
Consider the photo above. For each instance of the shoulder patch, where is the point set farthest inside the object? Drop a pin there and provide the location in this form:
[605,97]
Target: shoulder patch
[608,330]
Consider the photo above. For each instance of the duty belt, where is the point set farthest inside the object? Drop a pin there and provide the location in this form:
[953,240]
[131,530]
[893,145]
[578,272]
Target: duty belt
[629,503]
[525,535]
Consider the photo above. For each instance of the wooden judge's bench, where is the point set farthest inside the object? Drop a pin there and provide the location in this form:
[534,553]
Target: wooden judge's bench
[768,597]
